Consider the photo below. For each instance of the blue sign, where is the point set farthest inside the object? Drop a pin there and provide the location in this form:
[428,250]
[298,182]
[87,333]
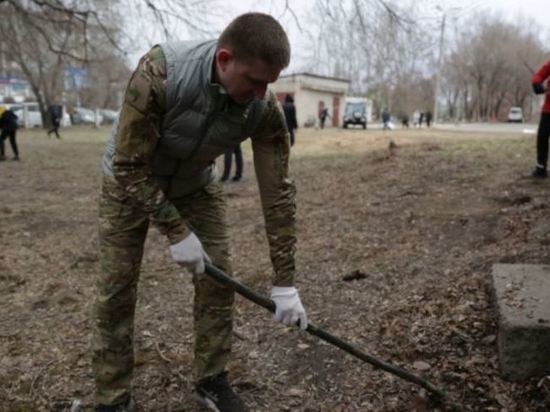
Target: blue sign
[75,78]
[76,72]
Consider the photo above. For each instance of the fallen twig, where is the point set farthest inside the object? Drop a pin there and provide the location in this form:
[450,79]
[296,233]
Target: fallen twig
[38,374]
[163,357]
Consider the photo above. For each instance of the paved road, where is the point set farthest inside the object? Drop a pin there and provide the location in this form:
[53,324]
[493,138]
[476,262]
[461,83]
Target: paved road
[523,128]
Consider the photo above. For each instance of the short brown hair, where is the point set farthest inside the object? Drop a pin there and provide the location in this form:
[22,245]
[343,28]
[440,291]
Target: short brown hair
[257,36]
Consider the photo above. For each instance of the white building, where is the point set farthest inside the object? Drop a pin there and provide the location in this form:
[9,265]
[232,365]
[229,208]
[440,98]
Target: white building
[14,88]
[310,93]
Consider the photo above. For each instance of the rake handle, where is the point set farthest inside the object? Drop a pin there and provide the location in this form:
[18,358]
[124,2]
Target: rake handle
[268,304]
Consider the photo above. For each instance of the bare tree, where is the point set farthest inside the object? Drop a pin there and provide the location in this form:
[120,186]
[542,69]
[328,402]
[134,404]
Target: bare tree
[489,68]
[43,41]
[390,50]
[378,45]
[105,84]
[95,18]
[45,37]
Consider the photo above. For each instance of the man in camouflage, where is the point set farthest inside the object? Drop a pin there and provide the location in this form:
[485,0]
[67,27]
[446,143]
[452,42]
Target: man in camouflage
[186,104]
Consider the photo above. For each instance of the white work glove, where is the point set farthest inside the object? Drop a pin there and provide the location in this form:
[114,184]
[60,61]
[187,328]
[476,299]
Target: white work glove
[190,253]
[288,307]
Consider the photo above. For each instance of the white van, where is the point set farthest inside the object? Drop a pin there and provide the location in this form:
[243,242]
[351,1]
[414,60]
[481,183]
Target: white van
[29,114]
[515,115]
[358,111]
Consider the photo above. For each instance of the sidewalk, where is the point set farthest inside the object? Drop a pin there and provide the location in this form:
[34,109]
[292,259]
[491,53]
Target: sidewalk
[525,128]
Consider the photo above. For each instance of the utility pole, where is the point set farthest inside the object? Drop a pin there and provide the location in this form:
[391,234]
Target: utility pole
[438,71]
[2,60]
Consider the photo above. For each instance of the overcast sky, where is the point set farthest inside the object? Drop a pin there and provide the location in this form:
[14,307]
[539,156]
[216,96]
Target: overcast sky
[513,10]
[539,10]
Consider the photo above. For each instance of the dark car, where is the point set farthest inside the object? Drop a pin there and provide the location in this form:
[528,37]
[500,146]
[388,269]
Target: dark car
[355,114]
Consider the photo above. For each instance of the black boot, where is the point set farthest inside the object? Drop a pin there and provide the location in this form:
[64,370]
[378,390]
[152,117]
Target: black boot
[216,393]
[539,172]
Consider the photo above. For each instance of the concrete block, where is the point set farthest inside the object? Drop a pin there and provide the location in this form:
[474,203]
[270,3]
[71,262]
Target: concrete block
[522,299]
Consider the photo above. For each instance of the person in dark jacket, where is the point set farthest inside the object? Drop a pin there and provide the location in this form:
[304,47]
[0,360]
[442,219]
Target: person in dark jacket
[428,115]
[8,124]
[290,115]
[323,114]
[55,117]
[405,120]
[539,87]
[386,119]
[227,160]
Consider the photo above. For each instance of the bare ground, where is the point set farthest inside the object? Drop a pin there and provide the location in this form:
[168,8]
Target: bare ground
[421,224]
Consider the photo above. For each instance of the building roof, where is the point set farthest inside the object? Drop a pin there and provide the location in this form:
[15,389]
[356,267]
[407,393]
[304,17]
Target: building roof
[318,76]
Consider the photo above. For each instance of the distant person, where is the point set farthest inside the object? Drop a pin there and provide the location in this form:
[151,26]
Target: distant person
[385,119]
[538,80]
[8,124]
[416,118]
[55,111]
[428,118]
[290,115]
[405,121]
[227,160]
[323,114]
[420,119]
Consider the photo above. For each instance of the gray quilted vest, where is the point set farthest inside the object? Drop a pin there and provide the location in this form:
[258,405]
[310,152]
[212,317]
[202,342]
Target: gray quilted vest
[200,122]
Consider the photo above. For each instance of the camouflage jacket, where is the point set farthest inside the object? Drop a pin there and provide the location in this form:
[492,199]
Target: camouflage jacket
[153,171]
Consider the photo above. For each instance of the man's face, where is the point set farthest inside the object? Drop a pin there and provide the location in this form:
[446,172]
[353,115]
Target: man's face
[244,81]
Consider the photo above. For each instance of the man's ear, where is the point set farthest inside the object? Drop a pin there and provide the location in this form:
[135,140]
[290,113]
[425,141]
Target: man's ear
[224,57]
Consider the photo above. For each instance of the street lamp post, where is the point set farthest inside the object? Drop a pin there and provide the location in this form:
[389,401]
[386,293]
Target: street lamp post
[438,71]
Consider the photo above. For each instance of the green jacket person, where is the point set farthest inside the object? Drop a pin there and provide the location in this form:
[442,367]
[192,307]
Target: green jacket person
[186,104]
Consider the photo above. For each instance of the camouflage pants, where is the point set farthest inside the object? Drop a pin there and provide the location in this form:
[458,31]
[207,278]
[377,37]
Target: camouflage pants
[122,232]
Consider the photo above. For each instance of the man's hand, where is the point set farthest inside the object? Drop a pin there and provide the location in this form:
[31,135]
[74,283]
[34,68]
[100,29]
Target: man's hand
[190,253]
[289,309]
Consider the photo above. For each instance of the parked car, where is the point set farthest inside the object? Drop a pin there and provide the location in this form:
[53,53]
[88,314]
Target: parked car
[109,116]
[82,115]
[356,112]
[515,115]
